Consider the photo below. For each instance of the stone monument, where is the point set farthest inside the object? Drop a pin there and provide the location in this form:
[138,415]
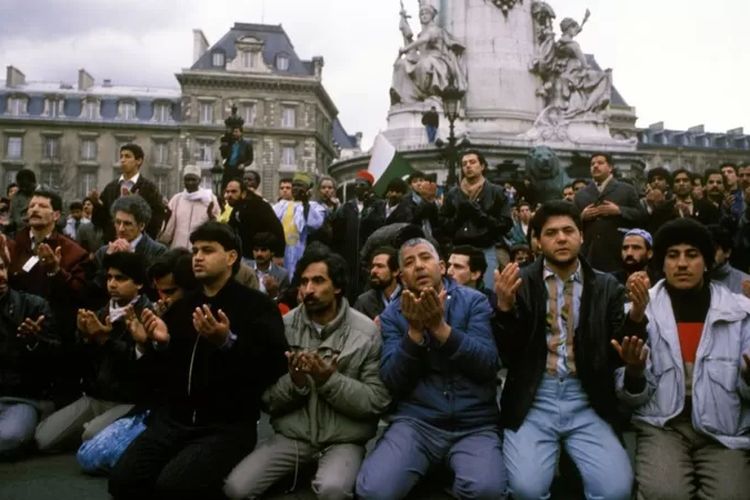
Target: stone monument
[523,85]
[576,94]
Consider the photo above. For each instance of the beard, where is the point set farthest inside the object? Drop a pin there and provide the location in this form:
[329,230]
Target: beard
[378,284]
[631,265]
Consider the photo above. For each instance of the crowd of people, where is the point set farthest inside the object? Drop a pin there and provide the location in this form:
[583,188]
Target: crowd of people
[480,331]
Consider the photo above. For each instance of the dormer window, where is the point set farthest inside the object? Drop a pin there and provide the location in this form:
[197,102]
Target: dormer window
[249,55]
[90,109]
[53,106]
[217,59]
[282,62]
[17,105]
[127,110]
[249,59]
[162,111]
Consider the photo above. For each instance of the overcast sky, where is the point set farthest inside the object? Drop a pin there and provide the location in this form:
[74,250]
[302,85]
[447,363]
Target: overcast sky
[683,62]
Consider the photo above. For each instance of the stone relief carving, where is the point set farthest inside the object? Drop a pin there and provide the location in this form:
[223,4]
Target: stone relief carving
[427,65]
[571,87]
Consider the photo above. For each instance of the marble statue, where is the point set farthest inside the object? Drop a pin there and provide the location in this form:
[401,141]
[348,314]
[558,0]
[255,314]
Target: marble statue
[428,65]
[571,87]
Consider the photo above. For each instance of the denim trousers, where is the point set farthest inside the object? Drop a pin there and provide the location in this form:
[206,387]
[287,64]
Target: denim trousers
[490,255]
[561,415]
[409,447]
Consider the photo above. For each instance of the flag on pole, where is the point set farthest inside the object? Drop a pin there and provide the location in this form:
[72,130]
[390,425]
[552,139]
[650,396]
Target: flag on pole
[386,164]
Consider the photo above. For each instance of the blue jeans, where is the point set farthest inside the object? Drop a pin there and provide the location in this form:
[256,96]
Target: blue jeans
[101,453]
[408,449]
[561,414]
[431,133]
[17,424]
[490,255]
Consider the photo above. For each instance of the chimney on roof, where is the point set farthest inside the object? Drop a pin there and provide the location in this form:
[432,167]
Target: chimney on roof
[358,140]
[736,131]
[698,129]
[200,45]
[106,82]
[14,77]
[318,66]
[85,80]
[657,126]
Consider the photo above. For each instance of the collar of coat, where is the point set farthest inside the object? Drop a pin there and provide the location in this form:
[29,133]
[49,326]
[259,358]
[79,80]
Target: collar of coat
[333,325]
[725,305]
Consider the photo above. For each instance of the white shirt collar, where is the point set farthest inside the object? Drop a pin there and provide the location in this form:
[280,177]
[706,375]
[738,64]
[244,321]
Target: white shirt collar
[576,276]
[133,179]
[135,242]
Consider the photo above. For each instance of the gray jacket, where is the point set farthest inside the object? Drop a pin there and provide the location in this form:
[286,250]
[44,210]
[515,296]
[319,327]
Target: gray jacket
[346,408]
[721,398]
[729,277]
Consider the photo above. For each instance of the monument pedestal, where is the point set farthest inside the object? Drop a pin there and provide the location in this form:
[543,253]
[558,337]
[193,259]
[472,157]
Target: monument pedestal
[405,129]
[586,132]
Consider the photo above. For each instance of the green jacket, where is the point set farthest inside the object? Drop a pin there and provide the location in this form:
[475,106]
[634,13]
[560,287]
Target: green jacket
[346,408]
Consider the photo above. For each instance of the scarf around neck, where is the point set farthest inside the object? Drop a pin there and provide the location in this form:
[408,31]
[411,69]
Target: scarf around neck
[202,195]
[116,312]
[472,190]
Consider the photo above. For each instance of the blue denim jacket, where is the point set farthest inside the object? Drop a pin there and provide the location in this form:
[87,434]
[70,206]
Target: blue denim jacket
[721,398]
[452,386]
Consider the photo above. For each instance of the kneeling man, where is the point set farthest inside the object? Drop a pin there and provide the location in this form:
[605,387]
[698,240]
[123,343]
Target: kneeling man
[555,325]
[439,363]
[692,398]
[208,360]
[327,406]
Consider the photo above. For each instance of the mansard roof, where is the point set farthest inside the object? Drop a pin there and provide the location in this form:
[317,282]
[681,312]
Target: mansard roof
[275,43]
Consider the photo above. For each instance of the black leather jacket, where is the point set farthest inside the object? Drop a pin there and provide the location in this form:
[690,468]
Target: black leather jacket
[480,223]
[25,363]
[522,342]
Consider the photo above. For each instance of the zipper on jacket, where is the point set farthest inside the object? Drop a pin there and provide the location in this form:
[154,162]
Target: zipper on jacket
[190,371]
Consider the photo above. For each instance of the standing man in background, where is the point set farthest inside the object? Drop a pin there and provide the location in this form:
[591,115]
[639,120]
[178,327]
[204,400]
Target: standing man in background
[130,182]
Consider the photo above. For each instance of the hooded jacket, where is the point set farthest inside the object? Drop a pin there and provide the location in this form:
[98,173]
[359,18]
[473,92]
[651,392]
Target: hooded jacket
[346,408]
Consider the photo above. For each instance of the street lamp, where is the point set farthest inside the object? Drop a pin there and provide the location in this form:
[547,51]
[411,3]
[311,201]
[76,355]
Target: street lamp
[217,173]
[451,99]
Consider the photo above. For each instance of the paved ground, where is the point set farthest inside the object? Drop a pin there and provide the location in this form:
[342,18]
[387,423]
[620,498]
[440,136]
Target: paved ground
[58,477]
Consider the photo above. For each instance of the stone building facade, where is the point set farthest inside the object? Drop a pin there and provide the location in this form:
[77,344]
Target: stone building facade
[70,134]
[693,149]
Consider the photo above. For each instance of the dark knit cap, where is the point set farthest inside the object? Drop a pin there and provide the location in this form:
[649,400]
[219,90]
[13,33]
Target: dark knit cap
[683,231]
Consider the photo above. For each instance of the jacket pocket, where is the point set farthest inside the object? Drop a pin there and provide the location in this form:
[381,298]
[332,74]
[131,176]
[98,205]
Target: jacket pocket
[721,406]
